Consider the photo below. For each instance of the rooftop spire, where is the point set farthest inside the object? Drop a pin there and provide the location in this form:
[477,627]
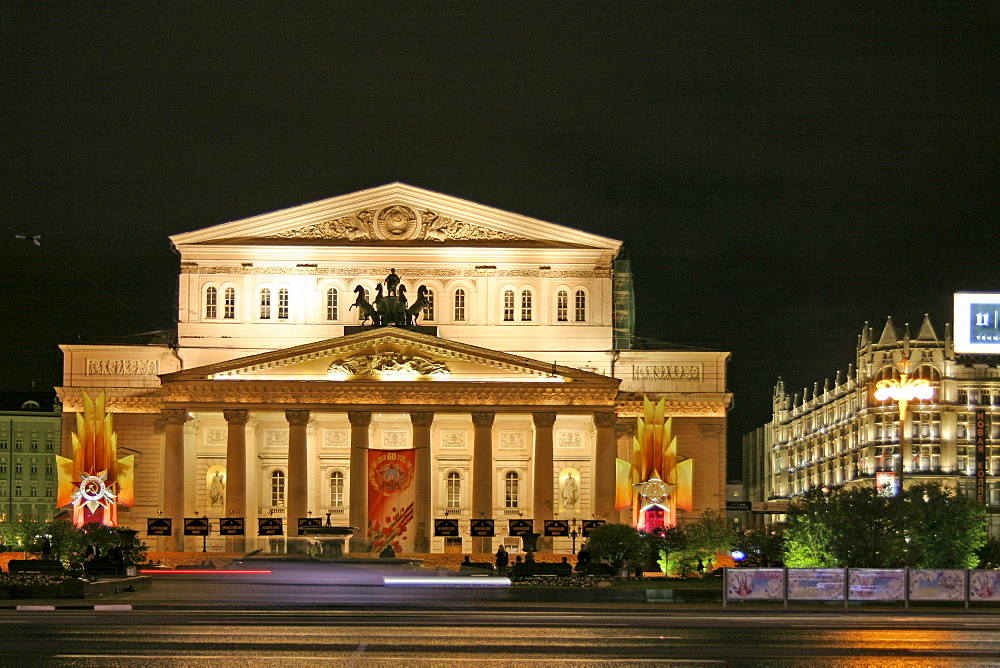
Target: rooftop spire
[926,332]
[889,335]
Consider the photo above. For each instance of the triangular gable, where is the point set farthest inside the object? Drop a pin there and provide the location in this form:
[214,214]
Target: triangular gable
[390,353]
[394,213]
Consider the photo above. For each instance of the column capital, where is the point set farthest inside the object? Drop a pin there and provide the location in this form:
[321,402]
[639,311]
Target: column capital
[544,419]
[605,420]
[359,418]
[297,418]
[174,416]
[625,427]
[483,419]
[236,417]
[421,418]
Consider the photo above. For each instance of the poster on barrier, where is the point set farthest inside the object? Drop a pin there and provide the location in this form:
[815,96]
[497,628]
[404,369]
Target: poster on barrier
[816,584]
[937,585]
[755,583]
[984,585]
[876,584]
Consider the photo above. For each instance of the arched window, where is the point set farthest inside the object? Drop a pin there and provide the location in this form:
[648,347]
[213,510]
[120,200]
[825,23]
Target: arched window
[580,312]
[454,488]
[525,305]
[283,304]
[562,306]
[265,303]
[511,489]
[336,489]
[277,488]
[332,304]
[229,305]
[428,312]
[211,302]
[508,306]
[459,305]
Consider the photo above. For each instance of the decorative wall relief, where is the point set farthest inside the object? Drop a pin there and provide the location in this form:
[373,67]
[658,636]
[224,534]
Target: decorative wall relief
[215,436]
[395,439]
[335,438]
[453,440]
[387,363]
[511,440]
[570,439]
[276,438]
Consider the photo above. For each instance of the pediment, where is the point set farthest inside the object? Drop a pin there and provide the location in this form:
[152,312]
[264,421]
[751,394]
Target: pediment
[387,354]
[394,214]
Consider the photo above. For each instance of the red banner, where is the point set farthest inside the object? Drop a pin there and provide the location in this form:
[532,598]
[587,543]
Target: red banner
[390,500]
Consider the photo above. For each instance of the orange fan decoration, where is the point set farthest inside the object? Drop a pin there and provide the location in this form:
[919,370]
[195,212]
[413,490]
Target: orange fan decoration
[94,482]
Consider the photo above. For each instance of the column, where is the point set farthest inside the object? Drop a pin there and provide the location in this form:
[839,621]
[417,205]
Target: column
[236,472]
[624,435]
[360,420]
[298,469]
[604,466]
[541,500]
[422,507]
[174,473]
[482,474]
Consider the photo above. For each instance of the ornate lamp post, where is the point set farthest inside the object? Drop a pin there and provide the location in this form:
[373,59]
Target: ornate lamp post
[903,391]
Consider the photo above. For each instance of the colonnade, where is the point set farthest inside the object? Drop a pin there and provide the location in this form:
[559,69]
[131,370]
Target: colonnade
[177,470]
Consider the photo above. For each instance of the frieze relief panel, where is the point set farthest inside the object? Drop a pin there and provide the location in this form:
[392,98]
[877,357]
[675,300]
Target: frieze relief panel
[569,439]
[395,439]
[380,272]
[276,438]
[512,440]
[122,367]
[215,436]
[453,440]
[335,438]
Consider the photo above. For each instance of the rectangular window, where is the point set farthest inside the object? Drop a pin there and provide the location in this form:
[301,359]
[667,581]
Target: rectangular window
[581,306]
[283,304]
[562,306]
[508,306]
[211,302]
[332,304]
[460,306]
[229,311]
[525,306]
[265,304]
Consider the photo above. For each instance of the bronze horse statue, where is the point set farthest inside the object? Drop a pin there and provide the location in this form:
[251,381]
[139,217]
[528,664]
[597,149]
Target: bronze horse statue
[414,310]
[364,307]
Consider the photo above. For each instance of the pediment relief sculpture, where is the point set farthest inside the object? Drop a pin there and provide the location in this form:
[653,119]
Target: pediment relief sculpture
[388,363]
[397,222]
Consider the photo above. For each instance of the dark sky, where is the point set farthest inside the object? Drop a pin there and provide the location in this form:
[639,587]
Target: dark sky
[779,172]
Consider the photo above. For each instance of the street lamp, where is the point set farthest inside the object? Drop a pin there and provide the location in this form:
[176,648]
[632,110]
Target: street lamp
[903,391]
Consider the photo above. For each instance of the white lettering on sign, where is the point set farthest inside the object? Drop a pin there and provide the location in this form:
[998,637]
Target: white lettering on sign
[667,372]
[122,367]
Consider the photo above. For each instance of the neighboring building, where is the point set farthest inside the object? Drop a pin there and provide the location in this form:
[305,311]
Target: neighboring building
[841,435]
[517,389]
[29,440]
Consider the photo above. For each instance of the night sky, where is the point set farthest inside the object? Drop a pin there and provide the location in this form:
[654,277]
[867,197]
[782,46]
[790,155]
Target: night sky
[779,172]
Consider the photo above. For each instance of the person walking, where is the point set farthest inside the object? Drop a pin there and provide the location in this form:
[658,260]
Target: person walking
[502,560]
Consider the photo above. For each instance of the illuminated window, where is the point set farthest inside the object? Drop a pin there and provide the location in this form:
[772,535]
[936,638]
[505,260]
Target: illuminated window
[332,304]
[562,306]
[508,306]
[17,489]
[283,304]
[277,488]
[336,489]
[512,486]
[211,302]
[265,303]
[525,305]
[460,306]
[17,467]
[581,306]
[454,488]
[33,466]
[428,312]
[229,305]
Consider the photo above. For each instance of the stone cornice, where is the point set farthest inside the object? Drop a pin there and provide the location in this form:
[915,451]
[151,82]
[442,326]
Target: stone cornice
[678,404]
[380,272]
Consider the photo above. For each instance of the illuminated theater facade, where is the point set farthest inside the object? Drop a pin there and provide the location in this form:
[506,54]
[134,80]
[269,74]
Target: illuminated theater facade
[510,397]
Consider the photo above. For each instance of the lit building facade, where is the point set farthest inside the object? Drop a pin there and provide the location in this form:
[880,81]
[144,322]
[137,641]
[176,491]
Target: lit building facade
[841,435]
[517,387]
[29,440]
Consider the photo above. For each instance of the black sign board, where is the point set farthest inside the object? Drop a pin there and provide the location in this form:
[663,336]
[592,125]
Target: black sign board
[556,527]
[197,526]
[269,526]
[979,441]
[158,527]
[591,524]
[309,522]
[446,528]
[482,528]
[521,527]
[232,526]
[737,505]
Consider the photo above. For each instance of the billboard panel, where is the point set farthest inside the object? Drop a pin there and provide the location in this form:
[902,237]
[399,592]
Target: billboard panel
[977,322]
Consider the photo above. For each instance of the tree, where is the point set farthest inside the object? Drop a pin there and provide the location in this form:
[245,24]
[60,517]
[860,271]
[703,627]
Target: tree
[662,543]
[762,547]
[617,543]
[926,527]
[707,536]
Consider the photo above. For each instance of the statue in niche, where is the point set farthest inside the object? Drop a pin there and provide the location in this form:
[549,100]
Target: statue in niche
[217,490]
[391,281]
[570,492]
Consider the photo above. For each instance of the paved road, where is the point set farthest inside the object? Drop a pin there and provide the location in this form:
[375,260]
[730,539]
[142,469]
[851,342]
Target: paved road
[494,638]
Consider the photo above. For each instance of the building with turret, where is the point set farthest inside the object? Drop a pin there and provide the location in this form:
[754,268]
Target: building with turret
[839,434]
